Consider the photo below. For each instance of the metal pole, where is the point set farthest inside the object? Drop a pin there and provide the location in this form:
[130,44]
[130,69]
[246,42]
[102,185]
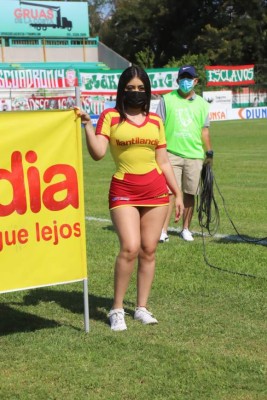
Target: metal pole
[2,51]
[85,281]
[86,305]
[78,96]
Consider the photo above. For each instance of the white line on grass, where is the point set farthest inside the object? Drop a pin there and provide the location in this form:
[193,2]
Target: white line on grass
[230,238]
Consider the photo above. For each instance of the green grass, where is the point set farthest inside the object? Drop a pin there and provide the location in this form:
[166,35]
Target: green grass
[210,343]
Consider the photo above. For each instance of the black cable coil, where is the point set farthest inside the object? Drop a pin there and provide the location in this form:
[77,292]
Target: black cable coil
[207,209]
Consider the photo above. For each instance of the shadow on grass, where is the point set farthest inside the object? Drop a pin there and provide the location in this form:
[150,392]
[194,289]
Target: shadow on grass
[71,300]
[108,228]
[221,239]
[240,239]
[14,321]
[243,239]
[174,232]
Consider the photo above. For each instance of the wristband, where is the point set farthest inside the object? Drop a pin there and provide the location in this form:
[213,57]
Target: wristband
[209,153]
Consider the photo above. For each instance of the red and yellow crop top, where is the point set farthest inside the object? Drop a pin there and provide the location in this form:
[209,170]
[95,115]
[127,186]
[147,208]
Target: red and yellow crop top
[132,146]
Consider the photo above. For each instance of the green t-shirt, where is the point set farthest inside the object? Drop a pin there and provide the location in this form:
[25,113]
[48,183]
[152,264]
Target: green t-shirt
[183,124]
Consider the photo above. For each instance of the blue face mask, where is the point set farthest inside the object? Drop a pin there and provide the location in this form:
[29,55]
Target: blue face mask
[186,85]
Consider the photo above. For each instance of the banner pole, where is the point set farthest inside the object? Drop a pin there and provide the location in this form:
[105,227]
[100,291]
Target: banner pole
[78,96]
[85,281]
[86,305]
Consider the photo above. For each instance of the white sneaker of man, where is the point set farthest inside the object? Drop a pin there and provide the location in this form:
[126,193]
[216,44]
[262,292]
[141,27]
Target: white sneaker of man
[143,315]
[116,319]
[163,237]
[187,235]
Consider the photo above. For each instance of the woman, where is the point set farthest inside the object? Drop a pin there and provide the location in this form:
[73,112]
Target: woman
[138,195]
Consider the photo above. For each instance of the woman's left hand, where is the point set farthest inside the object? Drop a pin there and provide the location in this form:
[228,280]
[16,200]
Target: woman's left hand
[83,115]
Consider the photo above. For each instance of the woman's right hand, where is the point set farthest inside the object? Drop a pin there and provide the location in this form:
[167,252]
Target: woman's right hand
[179,207]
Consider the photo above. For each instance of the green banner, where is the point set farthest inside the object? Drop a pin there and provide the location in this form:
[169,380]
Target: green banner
[96,82]
[44,19]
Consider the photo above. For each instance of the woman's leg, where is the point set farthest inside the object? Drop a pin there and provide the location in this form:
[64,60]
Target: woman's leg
[126,221]
[152,220]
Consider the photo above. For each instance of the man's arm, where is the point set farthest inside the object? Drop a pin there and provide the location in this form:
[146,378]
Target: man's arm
[161,109]
[207,144]
[206,138]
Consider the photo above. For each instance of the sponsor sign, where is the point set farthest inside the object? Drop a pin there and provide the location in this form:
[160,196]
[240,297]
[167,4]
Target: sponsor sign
[218,99]
[219,104]
[44,19]
[230,75]
[42,234]
[252,113]
[218,115]
[239,113]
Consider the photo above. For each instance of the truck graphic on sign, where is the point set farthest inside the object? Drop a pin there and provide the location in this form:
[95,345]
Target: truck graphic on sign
[58,23]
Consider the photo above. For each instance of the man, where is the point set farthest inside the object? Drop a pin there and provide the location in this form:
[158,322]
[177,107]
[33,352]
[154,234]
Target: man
[185,116]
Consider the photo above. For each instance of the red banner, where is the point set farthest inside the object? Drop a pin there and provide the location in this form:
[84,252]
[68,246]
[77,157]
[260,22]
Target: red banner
[230,75]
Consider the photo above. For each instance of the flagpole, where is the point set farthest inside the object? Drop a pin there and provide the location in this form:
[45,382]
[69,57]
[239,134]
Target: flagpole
[86,305]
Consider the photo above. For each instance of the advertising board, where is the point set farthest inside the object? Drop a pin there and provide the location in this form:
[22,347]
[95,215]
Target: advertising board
[44,19]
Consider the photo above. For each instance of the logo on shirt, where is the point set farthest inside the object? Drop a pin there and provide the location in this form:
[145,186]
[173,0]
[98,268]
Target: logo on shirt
[151,142]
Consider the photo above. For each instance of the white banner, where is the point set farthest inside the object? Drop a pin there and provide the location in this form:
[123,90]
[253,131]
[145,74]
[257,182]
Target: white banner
[219,99]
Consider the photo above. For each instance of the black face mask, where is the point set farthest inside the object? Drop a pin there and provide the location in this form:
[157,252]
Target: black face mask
[135,99]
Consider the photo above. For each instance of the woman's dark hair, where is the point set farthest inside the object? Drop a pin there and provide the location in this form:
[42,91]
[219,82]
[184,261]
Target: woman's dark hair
[128,74]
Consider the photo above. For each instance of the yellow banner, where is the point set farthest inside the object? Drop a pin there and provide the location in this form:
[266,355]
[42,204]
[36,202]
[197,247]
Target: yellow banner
[42,229]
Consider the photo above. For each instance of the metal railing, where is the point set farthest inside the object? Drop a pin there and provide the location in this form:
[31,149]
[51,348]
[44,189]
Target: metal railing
[53,42]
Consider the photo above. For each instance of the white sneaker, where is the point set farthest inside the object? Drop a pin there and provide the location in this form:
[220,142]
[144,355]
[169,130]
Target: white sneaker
[187,235]
[116,318]
[163,237]
[143,315]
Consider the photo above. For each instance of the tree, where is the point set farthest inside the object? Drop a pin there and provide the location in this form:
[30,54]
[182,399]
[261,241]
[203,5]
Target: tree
[224,31]
[145,58]
[239,34]
[167,27]
[135,26]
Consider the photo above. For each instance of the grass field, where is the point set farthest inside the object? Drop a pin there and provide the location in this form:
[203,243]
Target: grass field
[210,343]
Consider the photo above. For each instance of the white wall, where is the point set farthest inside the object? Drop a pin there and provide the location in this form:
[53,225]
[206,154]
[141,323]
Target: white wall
[48,54]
